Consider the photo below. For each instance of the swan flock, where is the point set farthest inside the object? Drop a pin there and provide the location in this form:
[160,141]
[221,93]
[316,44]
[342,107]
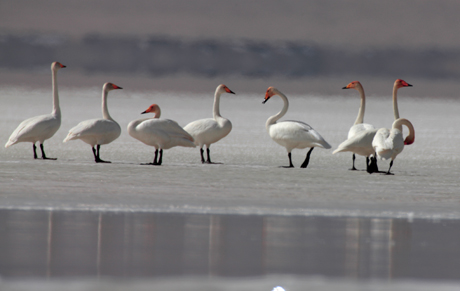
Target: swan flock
[363,139]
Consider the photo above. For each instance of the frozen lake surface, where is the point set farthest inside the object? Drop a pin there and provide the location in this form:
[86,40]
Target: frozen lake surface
[248,184]
[249,181]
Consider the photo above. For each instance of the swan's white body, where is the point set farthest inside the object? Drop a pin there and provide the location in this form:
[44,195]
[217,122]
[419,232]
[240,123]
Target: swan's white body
[97,131]
[360,143]
[292,134]
[388,143]
[159,133]
[43,127]
[210,130]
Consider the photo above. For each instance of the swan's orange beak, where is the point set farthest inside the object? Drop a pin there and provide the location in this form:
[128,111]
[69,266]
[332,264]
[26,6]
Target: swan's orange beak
[267,96]
[229,91]
[116,87]
[62,66]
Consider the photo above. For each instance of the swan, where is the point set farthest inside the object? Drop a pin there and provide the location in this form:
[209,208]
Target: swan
[388,143]
[97,131]
[399,83]
[361,143]
[43,127]
[210,130]
[290,133]
[358,126]
[159,133]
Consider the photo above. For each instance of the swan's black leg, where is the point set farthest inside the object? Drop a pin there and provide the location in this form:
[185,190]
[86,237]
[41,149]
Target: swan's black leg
[160,159]
[353,168]
[389,173]
[307,159]
[202,157]
[35,151]
[155,159]
[98,159]
[208,155]
[94,153]
[43,153]
[290,162]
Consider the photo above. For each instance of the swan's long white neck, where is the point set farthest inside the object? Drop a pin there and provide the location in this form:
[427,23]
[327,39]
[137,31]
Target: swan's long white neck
[362,108]
[272,119]
[56,108]
[216,108]
[397,124]
[105,110]
[395,102]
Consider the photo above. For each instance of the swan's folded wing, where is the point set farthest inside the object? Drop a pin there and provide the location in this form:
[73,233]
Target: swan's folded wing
[33,126]
[90,127]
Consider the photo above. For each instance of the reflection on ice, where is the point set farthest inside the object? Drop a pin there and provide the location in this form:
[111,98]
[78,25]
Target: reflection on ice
[61,244]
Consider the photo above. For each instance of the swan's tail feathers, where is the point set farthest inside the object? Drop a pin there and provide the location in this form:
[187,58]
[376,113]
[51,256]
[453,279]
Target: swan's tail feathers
[9,143]
[70,136]
[338,150]
[187,143]
[325,144]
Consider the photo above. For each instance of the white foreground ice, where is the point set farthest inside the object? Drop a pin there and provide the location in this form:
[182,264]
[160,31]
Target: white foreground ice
[249,180]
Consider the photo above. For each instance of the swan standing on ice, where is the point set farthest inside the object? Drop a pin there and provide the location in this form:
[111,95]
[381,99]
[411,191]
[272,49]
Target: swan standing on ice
[98,131]
[290,133]
[159,133]
[43,127]
[361,142]
[210,130]
[358,125]
[388,143]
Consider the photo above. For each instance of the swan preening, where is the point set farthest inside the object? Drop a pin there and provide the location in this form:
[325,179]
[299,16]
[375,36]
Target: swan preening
[290,133]
[162,134]
[210,130]
[40,128]
[97,132]
[361,142]
[388,143]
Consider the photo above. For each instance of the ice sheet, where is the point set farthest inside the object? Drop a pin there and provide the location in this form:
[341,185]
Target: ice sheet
[249,181]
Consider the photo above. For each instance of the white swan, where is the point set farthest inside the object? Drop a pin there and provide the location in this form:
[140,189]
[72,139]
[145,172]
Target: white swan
[159,133]
[388,143]
[361,143]
[210,130]
[399,83]
[97,131]
[358,126]
[43,127]
[290,133]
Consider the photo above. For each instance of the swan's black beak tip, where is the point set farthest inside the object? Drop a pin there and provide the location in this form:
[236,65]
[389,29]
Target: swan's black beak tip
[344,88]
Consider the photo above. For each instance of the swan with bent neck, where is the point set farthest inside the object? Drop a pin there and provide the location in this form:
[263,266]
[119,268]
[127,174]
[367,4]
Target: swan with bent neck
[292,134]
[40,128]
[389,143]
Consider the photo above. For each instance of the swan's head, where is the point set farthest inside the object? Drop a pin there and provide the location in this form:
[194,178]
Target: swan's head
[56,66]
[353,85]
[399,83]
[154,108]
[409,139]
[224,89]
[271,91]
[110,87]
